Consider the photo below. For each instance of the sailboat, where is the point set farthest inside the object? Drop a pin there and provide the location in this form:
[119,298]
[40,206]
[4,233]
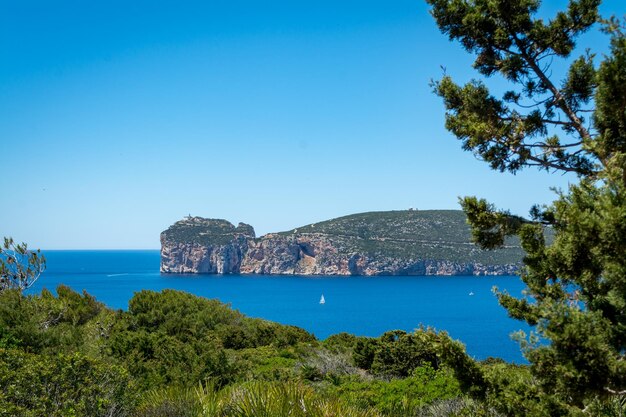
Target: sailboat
[322,300]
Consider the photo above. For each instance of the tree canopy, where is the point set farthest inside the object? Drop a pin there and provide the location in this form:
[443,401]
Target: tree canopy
[19,266]
[576,284]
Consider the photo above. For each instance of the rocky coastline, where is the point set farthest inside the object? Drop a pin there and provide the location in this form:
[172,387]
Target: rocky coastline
[196,245]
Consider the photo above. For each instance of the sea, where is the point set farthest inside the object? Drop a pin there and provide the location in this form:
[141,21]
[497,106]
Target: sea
[463,306]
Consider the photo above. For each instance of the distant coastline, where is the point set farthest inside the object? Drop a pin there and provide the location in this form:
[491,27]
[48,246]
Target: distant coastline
[407,242]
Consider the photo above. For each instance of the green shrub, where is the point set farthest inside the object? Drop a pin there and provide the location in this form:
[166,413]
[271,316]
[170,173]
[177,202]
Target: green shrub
[46,322]
[401,396]
[266,363]
[341,342]
[62,385]
[172,337]
[396,353]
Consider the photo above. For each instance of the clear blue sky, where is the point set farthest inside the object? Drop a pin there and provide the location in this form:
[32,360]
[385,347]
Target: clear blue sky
[118,118]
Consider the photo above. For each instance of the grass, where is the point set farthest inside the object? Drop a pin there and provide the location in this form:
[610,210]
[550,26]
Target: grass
[251,399]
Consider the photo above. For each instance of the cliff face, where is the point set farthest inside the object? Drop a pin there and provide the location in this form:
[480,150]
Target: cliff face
[319,255]
[192,258]
[204,246]
[395,243]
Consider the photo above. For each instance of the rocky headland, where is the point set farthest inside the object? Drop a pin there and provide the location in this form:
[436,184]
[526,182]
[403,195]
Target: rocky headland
[411,242]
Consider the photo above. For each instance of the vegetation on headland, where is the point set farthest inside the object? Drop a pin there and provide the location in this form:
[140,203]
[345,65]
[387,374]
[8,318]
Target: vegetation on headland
[206,231]
[433,234]
[401,234]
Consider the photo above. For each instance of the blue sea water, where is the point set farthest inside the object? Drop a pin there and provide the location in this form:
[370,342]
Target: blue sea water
[366,306]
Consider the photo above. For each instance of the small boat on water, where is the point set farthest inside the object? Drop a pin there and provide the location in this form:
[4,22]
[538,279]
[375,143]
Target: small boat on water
[322,300]
[471,293]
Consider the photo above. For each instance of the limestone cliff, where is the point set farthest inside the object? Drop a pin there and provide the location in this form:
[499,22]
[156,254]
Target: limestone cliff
[410,242]
[208,246]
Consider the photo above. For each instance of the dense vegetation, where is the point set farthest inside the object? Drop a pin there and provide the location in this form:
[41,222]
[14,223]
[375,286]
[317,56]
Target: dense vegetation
[175,354]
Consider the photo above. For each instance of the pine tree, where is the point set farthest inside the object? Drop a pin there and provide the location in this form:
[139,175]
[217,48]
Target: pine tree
[576,283]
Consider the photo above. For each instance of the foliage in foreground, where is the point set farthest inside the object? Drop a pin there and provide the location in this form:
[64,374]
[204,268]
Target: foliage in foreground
[19,266]
[175,354]
[62,385]
[253,399]
[576,285]
[67,354]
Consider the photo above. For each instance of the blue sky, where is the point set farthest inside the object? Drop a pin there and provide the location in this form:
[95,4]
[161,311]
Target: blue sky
[118,118]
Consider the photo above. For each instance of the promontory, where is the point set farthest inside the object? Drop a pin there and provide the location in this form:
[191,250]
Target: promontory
[407,242]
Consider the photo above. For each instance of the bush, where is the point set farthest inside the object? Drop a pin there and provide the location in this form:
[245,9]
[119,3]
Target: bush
[45,322]
[173,337]
[396,353]
[401,396]
[62,385]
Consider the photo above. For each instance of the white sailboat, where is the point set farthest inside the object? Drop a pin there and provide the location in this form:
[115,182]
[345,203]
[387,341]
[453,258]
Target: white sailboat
[322,300]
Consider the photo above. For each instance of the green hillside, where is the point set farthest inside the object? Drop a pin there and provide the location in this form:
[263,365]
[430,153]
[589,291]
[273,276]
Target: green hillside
[437,225]
[404,234]
[425,234]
